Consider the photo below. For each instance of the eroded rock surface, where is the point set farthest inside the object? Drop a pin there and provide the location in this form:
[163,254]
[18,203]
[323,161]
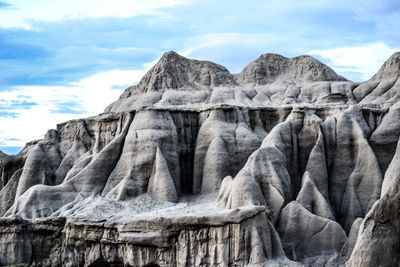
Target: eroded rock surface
[285,164]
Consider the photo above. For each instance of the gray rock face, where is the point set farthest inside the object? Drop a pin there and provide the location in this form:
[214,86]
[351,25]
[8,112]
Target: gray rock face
[390,69]
[381,227]
[176,72]
[269,68]
[305,235]
[286,164]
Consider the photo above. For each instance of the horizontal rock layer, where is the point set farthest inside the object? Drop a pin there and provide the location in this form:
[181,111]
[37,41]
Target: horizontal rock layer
[228,240]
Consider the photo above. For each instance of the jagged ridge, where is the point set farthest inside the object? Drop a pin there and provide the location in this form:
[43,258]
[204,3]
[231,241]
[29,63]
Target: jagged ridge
[270,80]
[174,71]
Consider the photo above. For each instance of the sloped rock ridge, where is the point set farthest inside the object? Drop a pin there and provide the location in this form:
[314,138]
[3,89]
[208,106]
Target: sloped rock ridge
[284,164]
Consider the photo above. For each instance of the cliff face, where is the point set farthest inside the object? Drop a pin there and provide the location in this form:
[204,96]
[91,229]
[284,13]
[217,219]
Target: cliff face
[279,164]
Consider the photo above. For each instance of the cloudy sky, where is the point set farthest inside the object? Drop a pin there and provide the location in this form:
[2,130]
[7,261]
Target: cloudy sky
[61,60]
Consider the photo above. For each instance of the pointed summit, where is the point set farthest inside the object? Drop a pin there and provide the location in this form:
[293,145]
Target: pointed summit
[172,54]
[161,185]
[174,71]
[390,69]
[269,68]
[311,199]
[170,58]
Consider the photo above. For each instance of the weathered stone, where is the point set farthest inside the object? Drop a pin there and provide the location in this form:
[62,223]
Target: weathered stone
[195,166]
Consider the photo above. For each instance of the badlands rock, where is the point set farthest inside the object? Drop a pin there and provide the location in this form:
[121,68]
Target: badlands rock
[271,67]
[305,235]
[378,241]
[390,69]
[285,164]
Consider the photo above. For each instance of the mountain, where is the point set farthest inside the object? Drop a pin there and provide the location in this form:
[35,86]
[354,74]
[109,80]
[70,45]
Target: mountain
[284,163]
[270,80]
[390,69]
[173,71]
[269,68]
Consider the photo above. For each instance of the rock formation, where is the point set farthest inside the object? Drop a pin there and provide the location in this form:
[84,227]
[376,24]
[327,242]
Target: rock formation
[284,164]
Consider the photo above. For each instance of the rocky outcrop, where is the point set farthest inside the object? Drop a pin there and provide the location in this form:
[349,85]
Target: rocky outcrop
[161,185]
[390,69]
[381,227]
[269,68]
[285,163]
[224,142]
[270,80]
[306,236]
[173,71]
[226,237]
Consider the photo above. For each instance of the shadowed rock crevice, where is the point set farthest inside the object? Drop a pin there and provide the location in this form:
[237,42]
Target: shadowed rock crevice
[187,127]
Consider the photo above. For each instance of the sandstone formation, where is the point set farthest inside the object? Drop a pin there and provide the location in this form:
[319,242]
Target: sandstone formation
[284,164]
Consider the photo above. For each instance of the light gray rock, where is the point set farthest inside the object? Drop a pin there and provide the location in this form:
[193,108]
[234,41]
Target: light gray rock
[34,172]
[270,67]
[161,185]
[317,166]
[307,235]
[384,139]
[216,165]
[7,193]
[13,246]
[9,164]
[229,132]
[149,131]
[378,242]
[92,179]
[269,80]
[312,200]
[175,72]
[78,143]
[355,178]
[390,69]
[228,237]
[351,241]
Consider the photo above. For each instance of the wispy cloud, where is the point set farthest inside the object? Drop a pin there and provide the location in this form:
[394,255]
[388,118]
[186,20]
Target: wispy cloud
[5,5]
[63,52]
[384,16]
[235,50]
[25,12]
[365,59]
[29,110]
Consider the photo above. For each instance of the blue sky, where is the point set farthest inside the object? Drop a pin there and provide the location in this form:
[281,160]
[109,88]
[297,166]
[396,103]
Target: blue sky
[61,60]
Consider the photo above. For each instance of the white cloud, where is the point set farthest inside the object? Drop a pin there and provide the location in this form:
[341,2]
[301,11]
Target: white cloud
[97,92]
[219,39]
[364,59]
[24,11]
[235,50]
[92,94]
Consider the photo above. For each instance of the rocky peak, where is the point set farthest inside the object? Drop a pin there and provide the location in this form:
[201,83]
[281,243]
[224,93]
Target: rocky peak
[269,68]
[174,71]
[390,69]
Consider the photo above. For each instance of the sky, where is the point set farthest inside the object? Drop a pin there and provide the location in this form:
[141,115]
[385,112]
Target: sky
[62,60]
